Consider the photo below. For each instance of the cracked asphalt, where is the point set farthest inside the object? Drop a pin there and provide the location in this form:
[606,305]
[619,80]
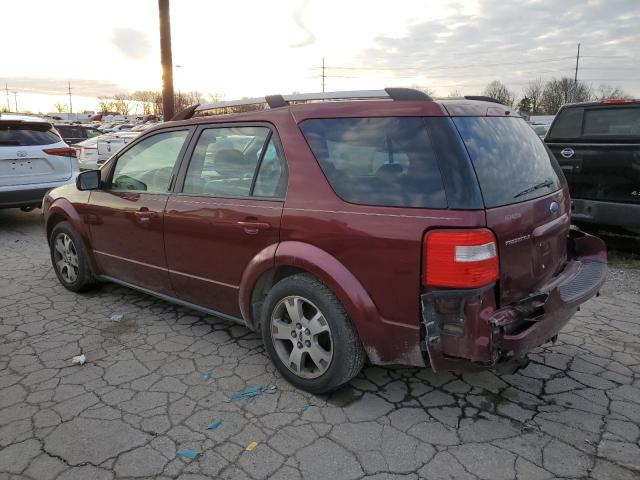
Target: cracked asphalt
[574,412]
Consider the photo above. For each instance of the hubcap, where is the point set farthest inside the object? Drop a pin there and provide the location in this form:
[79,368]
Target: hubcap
[301,337]
[65,257]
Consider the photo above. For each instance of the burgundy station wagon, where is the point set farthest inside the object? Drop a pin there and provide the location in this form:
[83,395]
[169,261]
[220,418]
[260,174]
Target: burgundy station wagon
[385,227]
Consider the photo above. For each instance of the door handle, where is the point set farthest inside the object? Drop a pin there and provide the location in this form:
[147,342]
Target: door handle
[253,227]
[145,215]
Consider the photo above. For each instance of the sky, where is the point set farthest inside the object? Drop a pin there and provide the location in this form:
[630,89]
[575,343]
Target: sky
[238,48]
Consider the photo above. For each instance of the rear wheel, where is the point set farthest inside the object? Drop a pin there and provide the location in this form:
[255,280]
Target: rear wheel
[309,336]
[69,259]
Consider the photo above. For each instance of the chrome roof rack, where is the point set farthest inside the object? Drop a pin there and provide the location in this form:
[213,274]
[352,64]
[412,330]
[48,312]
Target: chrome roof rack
[276,101]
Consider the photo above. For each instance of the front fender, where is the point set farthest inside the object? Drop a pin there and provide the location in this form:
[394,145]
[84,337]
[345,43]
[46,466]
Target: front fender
[61,207]
[385,342]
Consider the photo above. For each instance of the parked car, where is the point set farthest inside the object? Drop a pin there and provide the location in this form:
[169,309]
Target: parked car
[396,229]
[73,134]
[597,144]
[541,130]
[92,153]
[33,160]
[120,127]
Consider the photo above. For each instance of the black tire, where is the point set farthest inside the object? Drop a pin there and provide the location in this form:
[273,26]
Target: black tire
[83,279]
[348,355]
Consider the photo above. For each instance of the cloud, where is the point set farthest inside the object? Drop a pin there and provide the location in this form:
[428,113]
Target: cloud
[131,43]
[58,86]
[515,42]
[298,14]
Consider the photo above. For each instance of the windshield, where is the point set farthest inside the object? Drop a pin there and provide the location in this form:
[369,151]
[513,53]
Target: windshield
[511,162]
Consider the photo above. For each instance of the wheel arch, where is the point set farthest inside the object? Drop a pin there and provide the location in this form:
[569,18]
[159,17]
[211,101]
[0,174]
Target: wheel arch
[384,342]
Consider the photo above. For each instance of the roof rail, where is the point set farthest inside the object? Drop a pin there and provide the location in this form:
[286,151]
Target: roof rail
[276,101]
[483,98]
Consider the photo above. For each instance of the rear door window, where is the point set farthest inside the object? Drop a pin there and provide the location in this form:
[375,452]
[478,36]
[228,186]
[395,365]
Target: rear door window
[386,161]
[511,162]
[613,122]
[21,135]
[568,125]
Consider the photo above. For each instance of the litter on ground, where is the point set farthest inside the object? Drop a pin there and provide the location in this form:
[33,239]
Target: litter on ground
[207,375]
[80,359]
[186,453]
[252,392]
[251,447]
[214,425]
[116,317]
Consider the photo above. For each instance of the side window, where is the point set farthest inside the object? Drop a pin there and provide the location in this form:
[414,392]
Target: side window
[148,165]
[224,161]
[272,178]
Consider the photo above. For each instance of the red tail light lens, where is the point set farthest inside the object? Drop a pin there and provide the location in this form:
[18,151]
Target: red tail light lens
[460,258]
[65,152]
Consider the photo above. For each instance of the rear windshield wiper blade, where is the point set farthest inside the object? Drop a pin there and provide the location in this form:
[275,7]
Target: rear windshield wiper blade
[547,183]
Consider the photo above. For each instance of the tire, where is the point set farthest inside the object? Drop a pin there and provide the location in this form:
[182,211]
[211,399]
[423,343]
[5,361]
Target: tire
[326,352]
[66,249]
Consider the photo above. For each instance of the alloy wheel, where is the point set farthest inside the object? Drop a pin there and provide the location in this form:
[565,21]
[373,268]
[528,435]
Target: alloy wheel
[65,257]
[301,336]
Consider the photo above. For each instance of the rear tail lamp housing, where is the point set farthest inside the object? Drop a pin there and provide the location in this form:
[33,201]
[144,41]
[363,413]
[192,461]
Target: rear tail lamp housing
[64,151]
[460,258]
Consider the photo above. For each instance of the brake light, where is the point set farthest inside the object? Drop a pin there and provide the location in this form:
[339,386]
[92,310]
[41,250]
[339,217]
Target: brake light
[618,100]
[66,151]
[460,258]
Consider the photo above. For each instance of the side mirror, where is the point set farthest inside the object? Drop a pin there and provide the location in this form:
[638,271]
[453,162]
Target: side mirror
[89,180]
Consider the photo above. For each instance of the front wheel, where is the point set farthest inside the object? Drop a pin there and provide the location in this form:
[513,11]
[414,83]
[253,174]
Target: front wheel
[309,336]
[69,259]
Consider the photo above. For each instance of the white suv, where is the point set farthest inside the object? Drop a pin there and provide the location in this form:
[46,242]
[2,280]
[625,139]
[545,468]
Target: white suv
[33,160]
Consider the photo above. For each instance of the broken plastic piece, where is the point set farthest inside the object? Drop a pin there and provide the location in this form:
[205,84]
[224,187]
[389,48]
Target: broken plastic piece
[214,425]
[251,447]
[207,375]
[80,359]
[116,317]
[192,454]
[252,392]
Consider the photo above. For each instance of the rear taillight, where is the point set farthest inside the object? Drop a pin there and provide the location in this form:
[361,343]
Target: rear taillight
[460,258]
[65,152]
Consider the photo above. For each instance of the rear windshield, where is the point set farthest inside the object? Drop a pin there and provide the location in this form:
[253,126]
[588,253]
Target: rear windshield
[511,162]
[386,161]
[21,135]
[613,122]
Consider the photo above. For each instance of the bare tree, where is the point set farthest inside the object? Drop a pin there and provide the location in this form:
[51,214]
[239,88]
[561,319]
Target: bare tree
[455,93]
[61,107]
[533,92]
[564,90]
[500,92]
[121,103]
[606,91]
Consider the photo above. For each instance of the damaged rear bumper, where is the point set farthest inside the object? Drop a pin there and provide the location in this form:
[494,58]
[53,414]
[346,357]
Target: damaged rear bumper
[465,330]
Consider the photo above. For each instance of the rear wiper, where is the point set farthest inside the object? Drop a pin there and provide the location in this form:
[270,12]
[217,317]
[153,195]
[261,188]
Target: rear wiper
[547,183]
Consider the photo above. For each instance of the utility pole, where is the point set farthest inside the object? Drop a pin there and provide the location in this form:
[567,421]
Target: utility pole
[323,76]
[168,101]
[6,89]
[70,104]
[15,99]
[575,77]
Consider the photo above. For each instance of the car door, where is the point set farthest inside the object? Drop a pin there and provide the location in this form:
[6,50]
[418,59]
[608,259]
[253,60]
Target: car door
[126,216]
[226,210]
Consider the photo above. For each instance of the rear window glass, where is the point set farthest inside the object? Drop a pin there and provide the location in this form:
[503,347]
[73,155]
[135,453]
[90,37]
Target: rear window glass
[620,121]
[26,136]
[511,162]
[568,124]
[378,161]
